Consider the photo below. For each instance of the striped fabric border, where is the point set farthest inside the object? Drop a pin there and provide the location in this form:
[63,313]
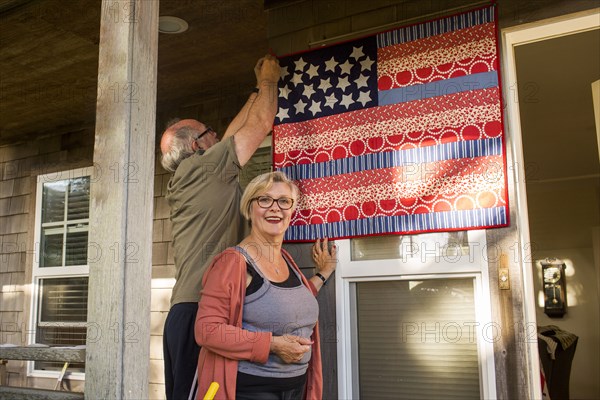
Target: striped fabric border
[437,27]
[448,220]
[419,155]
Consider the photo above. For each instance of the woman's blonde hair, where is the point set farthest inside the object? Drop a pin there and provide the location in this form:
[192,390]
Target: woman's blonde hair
[263,183]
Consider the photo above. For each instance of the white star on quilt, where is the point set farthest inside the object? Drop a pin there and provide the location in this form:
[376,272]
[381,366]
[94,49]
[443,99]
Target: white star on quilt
[283,71]
[296,79]
[325,84]
[357,53]
[308,91]
[362,81]
[284,92]
[300,64]
[330,100]
[300,106]
[330,65]
[283,113]
[364,98]
[312,71]
[366,64]
[347,100]
[346,67]
[343,83]
[315,108]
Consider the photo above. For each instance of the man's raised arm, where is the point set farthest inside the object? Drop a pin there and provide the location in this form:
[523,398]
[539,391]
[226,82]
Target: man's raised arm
[254,121]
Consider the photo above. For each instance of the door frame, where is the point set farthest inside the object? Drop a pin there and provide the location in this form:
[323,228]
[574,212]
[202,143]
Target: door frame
[512,37]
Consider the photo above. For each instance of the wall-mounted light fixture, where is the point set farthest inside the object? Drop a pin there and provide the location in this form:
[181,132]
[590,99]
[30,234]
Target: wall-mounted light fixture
[555,287]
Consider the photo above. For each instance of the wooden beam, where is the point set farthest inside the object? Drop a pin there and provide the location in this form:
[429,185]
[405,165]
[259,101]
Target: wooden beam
[118,341]
[57,354]
[511,334]
[17,393]
[512,358]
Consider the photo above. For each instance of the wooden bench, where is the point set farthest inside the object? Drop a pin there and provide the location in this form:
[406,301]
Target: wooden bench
[32,353]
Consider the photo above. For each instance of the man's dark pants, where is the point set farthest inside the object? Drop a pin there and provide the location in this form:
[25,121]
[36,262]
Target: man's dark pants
[180,350]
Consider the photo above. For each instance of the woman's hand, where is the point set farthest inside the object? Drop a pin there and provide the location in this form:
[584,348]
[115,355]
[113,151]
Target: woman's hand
[326,261]
[290,348]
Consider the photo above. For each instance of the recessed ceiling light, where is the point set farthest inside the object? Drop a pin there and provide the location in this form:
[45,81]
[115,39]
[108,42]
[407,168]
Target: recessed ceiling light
[168,24]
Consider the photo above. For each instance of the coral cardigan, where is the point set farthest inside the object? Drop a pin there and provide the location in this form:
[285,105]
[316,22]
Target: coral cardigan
[219,330]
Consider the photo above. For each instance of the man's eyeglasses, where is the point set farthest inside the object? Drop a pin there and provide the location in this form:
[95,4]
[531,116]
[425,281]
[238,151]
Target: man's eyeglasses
[285,203]
[208,129]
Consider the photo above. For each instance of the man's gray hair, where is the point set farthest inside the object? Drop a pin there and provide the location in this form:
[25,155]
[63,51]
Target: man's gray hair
[180,147]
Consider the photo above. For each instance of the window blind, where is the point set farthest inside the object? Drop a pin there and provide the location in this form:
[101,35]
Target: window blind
[65,217]
[79,199]
[63,299]
[62,316]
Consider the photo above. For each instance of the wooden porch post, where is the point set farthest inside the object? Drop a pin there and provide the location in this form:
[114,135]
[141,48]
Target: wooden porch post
[118,341]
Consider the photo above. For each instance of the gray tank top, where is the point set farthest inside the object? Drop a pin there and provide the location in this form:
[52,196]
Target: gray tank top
[291,311]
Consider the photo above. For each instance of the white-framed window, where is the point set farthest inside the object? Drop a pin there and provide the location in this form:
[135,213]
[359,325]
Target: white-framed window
[60,267]
[415,317]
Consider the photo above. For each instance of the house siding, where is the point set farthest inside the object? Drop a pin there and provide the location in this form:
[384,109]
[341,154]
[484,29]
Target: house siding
[20,164]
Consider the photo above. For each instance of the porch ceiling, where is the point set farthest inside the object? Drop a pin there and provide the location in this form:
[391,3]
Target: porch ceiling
[49,59]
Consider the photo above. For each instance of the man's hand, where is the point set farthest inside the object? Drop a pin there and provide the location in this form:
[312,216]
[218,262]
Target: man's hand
[290,348]
[267,70]
[255,120]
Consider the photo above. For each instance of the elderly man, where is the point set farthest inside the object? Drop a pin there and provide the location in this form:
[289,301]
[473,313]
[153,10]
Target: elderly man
[204,197]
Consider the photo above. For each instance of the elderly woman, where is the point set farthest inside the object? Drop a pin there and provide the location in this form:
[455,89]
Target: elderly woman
[257,317]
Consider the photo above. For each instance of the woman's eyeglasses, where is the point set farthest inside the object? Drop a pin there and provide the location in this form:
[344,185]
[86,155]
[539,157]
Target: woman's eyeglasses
[285,203]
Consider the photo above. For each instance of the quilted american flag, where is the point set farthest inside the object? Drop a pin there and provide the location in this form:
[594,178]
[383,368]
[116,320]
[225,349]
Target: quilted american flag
[399,132]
